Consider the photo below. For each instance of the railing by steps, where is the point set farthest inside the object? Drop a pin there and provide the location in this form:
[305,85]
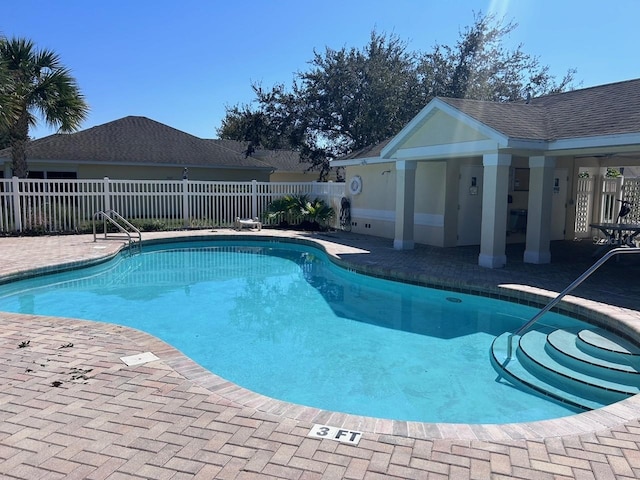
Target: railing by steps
[114,218]
[571,287]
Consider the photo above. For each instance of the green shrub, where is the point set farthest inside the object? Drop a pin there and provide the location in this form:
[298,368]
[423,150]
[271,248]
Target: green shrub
[310,214]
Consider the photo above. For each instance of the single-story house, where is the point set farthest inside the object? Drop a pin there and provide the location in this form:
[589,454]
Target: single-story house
[138,148]
[467,172]
[286,164]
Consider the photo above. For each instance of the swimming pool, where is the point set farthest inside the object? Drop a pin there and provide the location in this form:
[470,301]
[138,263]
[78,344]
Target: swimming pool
[326,337]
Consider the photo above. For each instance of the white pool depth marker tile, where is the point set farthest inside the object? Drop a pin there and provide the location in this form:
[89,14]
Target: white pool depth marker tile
[139,359]
[343,435]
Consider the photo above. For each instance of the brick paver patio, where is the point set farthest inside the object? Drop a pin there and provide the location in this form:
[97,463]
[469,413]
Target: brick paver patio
[69,408]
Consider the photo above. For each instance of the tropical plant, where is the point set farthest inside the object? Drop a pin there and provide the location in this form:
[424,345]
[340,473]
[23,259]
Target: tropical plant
[318,212]
[33,84]
[313,213]
[283,207]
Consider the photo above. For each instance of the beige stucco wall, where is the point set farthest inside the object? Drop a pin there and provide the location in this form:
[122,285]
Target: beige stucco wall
[430,203]
[125,172]
[294,177]
[373,210]
[128,172]
[441,129]
[171,173]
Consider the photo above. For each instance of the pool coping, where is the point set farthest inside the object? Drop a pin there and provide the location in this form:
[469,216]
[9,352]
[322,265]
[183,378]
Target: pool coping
[609,317]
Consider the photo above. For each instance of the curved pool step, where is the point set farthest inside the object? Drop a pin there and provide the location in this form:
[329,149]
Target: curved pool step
[517,373]
[566,347]
[607,345]
[583,368]
[533,349]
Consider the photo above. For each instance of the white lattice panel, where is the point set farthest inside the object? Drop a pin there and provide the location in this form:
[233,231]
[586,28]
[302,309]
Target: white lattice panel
[584,205]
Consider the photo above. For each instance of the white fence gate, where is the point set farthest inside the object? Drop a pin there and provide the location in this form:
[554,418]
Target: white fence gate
[70,205]
[601,204]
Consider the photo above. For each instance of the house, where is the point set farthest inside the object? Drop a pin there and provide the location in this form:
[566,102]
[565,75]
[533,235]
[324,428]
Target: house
[287,166]
[140,148]
[466,172]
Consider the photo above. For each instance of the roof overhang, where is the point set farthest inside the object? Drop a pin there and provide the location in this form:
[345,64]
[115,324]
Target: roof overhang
[359,161]
[601,144]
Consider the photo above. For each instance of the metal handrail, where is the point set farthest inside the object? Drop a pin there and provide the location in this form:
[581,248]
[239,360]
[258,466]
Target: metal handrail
[572,286]
[108,216]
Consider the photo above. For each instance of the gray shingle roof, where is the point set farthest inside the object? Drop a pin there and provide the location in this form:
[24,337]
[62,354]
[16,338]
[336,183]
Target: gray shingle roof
[368,152]
[280,160]
[611,109]
[516,120]
[137,140]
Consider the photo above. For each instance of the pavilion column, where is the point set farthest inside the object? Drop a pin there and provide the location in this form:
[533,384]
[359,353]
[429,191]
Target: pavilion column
[405,204]
[541,174]
[495,190]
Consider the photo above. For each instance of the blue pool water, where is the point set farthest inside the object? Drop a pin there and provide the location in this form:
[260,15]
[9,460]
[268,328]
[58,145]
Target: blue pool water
[283,321]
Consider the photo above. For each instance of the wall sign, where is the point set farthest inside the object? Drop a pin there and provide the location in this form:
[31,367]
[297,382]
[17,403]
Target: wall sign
[343,435]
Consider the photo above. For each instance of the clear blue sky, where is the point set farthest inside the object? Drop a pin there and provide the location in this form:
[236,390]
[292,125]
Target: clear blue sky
[182,62]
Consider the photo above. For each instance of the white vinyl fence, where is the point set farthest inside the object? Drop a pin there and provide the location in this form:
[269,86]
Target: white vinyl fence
[70,205]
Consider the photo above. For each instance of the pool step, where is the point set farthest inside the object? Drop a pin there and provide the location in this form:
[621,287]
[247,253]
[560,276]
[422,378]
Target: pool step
[583,368]
[568,348]
[607,345]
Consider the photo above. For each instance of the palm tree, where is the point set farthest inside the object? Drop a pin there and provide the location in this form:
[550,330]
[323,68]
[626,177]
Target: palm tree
[8,112]
[35,82]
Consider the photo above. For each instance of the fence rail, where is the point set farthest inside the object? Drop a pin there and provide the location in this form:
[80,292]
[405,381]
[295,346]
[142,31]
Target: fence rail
[69,205]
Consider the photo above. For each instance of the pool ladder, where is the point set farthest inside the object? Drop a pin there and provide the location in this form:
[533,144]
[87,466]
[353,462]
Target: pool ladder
[118,221]
[561,295]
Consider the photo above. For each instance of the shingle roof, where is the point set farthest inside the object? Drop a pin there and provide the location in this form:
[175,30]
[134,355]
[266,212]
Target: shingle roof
[611,109]
[280,160]
[368,152]
[137,140]
[516,120]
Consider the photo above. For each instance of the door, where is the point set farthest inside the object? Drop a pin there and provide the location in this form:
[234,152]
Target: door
[559,204]
[470,205]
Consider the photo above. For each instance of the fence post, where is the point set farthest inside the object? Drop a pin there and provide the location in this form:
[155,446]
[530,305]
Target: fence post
[107,194]
[17,213]
[254,198]
[185,202]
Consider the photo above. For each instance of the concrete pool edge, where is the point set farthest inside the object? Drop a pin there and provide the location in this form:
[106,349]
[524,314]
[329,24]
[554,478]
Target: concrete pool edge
[587,422]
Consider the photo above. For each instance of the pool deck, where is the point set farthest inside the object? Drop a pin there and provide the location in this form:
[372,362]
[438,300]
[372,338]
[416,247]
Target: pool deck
[70,408]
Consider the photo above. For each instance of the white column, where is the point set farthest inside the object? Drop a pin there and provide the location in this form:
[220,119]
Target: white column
[495,192]
[405,204]
[541,172]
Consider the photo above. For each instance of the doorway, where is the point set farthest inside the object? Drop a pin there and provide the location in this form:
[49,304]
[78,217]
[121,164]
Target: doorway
[470,205]
[559,204]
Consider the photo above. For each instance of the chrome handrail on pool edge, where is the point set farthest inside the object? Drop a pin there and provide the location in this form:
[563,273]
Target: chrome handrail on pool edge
[113,217]
[561,295]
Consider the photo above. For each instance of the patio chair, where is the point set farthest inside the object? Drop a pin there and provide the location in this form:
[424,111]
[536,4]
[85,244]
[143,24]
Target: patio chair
[239,224]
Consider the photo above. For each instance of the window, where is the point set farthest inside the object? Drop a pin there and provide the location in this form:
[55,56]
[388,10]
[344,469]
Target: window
[61,175]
